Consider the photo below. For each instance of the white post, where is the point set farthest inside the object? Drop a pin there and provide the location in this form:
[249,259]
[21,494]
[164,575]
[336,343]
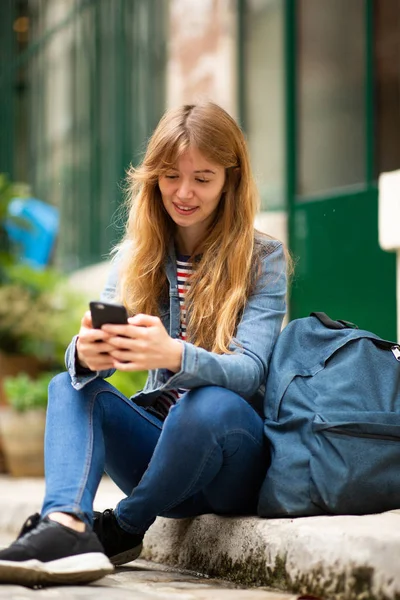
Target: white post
[398,294]
[389,224]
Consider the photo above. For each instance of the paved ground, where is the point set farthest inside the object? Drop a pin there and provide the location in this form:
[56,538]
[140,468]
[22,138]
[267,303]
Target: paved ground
[144,580]
[141,580]
[344,557]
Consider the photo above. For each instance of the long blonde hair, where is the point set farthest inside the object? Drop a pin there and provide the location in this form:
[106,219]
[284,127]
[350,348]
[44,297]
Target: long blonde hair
[224,275]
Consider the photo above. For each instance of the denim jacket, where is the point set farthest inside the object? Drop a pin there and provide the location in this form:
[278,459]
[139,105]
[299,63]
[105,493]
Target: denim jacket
[244,371]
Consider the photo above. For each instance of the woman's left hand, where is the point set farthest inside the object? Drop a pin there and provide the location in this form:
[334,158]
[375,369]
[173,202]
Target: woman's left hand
[143,344]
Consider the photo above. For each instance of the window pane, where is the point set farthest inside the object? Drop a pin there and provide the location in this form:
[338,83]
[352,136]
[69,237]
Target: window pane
[331,94]
[264,112]
[387,82]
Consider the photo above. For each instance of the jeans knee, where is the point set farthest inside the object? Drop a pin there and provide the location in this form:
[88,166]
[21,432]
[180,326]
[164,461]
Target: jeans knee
[58,383]
[208,408]
[61,391]
[65,402]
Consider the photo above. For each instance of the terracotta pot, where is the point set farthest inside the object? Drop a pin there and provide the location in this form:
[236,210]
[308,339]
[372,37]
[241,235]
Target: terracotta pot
[12,364]
[23,441]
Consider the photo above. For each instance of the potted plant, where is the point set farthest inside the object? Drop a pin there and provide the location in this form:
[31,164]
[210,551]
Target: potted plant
[22,424]
[39,314]
[10,360]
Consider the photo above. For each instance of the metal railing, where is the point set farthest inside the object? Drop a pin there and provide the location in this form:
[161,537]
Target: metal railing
[77,105]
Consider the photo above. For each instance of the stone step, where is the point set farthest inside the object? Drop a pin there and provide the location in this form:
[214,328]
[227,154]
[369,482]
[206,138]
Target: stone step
[342,557]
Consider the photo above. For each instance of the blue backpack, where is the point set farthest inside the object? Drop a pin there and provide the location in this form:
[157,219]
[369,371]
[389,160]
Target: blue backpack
[332,406]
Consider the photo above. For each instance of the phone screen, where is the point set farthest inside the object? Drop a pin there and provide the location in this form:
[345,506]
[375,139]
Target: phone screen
[106,312]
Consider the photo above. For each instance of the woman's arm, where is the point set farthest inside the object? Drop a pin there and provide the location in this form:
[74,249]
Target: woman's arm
[244,371]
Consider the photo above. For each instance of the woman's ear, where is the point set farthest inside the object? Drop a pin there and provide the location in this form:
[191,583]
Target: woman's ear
[235,175]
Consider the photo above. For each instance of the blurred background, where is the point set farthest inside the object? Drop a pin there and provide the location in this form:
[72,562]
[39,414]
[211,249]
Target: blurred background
[315,85]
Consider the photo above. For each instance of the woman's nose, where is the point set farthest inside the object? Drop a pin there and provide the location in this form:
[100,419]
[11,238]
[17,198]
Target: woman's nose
[185,190]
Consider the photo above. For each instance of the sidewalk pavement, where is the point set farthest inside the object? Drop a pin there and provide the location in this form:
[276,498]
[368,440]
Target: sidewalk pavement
[142,580]
[344,557]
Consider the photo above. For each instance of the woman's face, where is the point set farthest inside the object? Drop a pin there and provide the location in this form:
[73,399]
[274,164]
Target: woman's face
[191,192]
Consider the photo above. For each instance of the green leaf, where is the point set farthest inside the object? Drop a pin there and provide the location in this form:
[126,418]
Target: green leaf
[128,383]
[24,393]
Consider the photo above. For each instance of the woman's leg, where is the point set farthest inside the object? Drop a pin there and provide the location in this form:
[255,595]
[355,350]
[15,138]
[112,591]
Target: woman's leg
[87,431]
[211,457]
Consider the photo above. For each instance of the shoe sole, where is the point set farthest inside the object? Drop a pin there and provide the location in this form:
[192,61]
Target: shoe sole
[80,568]
[125,557]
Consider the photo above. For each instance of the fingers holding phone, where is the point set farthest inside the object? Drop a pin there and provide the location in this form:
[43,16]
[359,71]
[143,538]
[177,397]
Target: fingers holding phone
[114,319]
[92,345]
[145,344]
[110,340]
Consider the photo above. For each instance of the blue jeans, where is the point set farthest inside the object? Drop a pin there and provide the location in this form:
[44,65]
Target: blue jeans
[209,455]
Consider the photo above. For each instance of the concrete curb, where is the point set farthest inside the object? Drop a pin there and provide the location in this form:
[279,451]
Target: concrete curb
[344,557]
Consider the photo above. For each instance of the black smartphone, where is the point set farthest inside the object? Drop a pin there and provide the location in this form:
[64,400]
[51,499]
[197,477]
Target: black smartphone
[106,312]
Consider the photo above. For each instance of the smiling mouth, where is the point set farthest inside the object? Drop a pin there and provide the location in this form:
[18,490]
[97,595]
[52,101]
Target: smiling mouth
[184,210]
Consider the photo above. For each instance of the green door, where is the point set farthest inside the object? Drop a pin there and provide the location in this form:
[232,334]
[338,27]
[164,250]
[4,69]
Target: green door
[338,140]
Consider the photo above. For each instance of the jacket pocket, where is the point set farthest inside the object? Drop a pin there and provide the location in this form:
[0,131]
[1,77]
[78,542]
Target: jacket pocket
[354,462]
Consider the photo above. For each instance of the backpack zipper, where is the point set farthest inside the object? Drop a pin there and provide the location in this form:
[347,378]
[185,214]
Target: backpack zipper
[396,352]
[357,434]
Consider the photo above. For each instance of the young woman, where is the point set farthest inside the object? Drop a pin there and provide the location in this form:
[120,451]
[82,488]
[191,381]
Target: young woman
[207,297]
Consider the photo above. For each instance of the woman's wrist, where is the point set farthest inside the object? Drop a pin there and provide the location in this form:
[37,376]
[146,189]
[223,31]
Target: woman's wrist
[78,360]
[175,356]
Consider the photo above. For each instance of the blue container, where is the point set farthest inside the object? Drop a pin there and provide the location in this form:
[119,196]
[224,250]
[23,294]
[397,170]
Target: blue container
[35,240]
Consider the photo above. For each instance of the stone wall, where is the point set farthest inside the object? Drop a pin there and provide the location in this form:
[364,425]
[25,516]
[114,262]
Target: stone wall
[202,53]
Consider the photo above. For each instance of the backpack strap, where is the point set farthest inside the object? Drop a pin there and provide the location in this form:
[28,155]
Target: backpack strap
[330,323]
[341,324]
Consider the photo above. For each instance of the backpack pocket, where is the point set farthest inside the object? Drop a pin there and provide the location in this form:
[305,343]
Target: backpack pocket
[354,466]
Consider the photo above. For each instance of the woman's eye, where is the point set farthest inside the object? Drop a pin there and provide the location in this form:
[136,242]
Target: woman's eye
[202,180]
[171,176]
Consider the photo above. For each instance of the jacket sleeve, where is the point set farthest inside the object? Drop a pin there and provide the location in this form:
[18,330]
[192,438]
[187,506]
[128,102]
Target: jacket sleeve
[246,369]
[79,376]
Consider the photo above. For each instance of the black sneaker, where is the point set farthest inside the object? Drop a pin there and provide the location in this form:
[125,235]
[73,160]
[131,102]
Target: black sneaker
[48,553]
[120,546]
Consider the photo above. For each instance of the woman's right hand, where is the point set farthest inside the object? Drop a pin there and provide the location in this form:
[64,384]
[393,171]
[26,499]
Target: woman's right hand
[92,347]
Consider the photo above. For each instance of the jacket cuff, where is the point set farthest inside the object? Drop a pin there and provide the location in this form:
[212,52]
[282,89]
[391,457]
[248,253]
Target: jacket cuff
[189,368]
[79,375]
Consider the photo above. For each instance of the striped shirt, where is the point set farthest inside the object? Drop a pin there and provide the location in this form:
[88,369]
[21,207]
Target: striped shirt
[184,270]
